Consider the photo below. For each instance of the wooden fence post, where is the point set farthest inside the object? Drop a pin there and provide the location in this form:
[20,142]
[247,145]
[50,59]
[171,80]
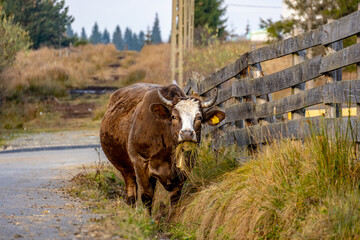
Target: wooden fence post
[240,123]
[333,110]
[256,72]
[298,57]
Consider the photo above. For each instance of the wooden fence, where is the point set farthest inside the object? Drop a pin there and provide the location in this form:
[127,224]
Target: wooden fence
[244,92]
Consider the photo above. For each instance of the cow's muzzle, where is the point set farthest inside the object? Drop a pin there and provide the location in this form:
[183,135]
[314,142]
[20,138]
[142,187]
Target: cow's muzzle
[187,135]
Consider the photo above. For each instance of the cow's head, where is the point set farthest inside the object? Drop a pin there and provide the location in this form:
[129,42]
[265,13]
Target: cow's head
[185,115]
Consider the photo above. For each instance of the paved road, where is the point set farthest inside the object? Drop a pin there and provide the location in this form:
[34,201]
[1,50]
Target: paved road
[32,202]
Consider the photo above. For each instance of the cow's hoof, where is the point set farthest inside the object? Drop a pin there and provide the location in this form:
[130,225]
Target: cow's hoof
[131,201]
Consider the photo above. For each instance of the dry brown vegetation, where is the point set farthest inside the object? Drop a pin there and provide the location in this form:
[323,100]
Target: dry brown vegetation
[86,65]
[35,88]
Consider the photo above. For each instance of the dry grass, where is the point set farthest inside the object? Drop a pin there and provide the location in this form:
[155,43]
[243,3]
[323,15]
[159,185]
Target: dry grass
[205,60]
[49,68]
[43,74]
[289,190]
[154,60]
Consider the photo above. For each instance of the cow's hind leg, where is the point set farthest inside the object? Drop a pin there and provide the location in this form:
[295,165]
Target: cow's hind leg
[131,188]
[146,183]
[127,171]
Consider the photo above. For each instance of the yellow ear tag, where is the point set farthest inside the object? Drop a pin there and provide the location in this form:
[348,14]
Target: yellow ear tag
[215,119]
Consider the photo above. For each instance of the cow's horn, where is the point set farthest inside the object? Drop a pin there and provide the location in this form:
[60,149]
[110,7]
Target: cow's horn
[211,102]
[164,100]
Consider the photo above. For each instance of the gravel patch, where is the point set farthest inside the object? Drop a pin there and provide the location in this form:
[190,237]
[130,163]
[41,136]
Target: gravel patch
[53,139]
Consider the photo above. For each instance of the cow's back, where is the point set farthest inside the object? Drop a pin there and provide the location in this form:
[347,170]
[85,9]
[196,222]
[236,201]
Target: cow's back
[116,124]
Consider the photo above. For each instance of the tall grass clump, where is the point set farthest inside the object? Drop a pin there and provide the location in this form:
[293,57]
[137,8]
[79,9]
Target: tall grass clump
[210,165]
[102,188]
[290,189]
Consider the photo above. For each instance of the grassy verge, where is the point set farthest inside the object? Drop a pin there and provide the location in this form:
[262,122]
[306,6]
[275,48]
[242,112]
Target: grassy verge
[289,190]
[102,188]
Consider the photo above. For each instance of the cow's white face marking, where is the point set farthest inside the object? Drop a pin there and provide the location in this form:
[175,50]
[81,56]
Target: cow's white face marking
[188,109]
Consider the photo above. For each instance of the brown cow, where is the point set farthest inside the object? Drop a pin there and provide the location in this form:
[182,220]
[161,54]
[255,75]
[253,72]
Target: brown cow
[142,126]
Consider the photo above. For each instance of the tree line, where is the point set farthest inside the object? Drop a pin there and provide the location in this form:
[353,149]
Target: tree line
[128,40]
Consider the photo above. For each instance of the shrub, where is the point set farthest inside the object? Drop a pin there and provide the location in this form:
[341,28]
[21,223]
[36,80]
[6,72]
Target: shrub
[12,39]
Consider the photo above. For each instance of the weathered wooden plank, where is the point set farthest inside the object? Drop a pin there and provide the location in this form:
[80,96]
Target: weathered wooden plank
[328,33]
[342,58]
[280,80]
[223,74]
[338,92]
[294,102]
[342,92]
[224,95]
[285,47]
[242,87]
[294,129]
[240,111]
[331,32]
[189,86]
[341,28]
[297,74]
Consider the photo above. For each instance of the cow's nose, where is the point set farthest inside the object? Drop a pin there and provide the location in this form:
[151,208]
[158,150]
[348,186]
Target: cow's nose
[187,135]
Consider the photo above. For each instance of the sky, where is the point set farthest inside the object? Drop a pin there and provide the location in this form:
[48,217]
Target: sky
[140,14]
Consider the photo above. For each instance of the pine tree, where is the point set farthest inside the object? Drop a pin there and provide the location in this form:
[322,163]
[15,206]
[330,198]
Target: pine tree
[135,43]
[141,40]
[155,33]
[83,34]
[45,21]
[69,31]
[117,39]
[209,18]
[105,39]
[95,37]
[127,39]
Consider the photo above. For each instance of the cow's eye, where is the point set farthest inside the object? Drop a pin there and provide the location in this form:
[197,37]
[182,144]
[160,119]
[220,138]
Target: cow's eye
[199,118]
[173,117]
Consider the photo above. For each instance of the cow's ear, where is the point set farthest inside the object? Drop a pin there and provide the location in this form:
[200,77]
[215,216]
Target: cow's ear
[160,111]
[214,117]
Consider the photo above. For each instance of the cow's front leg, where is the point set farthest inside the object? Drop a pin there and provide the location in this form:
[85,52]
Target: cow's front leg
[146,184]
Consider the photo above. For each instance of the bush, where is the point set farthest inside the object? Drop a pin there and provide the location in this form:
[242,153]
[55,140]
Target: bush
[12,39]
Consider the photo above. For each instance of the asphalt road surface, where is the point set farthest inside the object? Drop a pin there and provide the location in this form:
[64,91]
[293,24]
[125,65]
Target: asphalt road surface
[32,202]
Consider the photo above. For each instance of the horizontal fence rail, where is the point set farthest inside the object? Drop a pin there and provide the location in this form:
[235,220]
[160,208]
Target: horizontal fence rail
[293,129]
[328,33]
[244,91]
[340,92]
